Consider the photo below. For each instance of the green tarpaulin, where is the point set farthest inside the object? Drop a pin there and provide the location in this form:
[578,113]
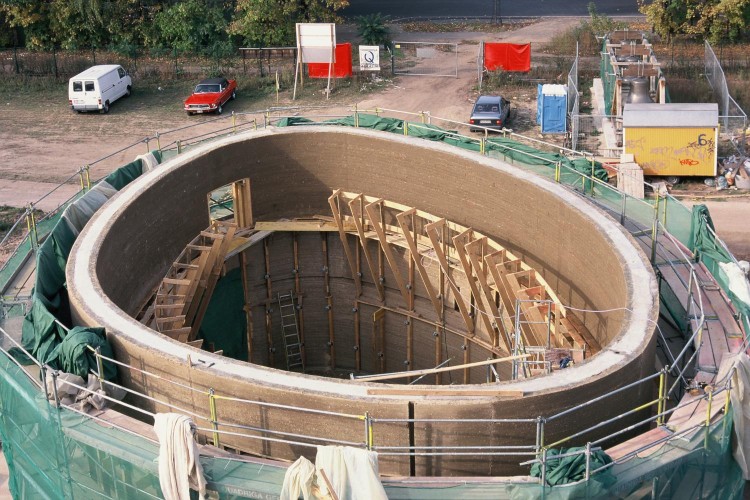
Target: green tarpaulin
[224,326]
[572,468]
[73,355]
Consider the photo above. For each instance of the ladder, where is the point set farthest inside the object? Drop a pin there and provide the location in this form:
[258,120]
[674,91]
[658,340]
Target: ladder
[290,331]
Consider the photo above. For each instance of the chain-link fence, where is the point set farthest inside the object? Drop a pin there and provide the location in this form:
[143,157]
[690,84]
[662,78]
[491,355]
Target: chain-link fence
[732,117]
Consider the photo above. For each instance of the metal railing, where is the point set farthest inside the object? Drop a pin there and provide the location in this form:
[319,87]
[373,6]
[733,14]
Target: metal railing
[630,211]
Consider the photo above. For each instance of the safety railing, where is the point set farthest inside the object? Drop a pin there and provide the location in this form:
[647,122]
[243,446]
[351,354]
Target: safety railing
[636,212]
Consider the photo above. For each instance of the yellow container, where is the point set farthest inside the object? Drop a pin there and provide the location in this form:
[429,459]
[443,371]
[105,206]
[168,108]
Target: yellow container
[673,151]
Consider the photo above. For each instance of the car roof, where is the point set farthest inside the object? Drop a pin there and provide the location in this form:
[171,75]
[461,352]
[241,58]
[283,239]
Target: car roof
[488,99]
[96,71]
[212,81]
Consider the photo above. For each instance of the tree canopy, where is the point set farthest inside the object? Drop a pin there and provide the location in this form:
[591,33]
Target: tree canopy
[714,20]
[184,25]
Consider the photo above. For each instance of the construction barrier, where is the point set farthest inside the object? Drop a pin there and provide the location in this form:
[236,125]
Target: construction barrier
[507,56]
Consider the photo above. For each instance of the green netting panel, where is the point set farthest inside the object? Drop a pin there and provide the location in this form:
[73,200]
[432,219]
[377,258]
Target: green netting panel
[225,322]
[607,74]
[125,175]
[676,218]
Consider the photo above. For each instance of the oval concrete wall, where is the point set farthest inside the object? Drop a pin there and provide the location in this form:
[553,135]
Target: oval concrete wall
[586,257]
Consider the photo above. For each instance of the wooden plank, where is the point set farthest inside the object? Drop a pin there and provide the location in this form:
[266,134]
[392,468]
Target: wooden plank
[579,331]
[195,343]
[437,392]
[177,333]
[647,438]
[303,226]
[176,281]
[429,371]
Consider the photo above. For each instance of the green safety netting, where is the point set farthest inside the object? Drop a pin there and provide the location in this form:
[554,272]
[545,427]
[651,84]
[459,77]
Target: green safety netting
[509,148]
[45,327]
[224,326]
[572,468]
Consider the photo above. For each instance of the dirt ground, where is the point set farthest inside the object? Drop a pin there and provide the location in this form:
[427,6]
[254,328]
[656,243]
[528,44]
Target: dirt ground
[45,144]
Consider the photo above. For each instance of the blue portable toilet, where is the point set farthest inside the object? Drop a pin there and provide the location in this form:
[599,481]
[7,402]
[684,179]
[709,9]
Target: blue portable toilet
[552,108]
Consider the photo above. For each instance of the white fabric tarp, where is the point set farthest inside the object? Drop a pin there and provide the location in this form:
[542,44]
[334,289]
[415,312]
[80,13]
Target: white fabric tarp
[80,211]
[352,473]
[179,466]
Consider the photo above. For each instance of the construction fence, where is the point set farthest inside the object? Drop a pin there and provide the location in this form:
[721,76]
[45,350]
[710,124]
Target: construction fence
[60,453]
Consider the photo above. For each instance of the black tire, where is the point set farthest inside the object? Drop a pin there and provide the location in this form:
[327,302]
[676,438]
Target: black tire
[234,95]
[219,110]
[105,108]
[128,91]
[189,113]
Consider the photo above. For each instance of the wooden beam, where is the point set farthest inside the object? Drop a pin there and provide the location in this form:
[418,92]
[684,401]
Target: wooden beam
[243,205]
[247,307]
[302,226]
[300,295]
[432,232]
[403,219]
[375,220]
[334,201]
[413,391]
[356,206]
[329,301]
[269,300]
[475,251]
[458,243]
[429,371]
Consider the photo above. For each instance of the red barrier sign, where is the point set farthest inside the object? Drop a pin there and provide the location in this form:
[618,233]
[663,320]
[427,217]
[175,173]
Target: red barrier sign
[342,68]
[507,56]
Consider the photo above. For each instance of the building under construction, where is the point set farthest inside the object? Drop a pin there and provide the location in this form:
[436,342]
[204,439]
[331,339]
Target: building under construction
[463,307]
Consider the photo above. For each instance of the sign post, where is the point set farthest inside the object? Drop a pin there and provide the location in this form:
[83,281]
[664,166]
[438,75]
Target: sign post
[316,43]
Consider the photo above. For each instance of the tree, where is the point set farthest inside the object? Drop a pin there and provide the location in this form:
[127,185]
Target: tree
[270,23]
[714,20]
[190,26]
[372,29]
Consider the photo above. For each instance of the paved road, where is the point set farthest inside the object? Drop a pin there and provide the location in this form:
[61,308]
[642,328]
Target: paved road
[475,8]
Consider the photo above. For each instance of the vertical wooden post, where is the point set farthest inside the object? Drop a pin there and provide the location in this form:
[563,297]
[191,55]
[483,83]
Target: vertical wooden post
[329,301]
[298,293]
[247,307]
[409,321]
[269,299]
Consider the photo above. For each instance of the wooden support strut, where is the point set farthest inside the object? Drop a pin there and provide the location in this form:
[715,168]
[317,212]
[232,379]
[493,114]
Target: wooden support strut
[375,220]
[329,301]
[334,201]
[458,243]
[299,295]
[269,299]
[432,232]
[356,206]
[475,251]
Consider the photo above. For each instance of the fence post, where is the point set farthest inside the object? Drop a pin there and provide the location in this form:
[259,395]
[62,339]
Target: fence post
[356,116]
[662,403]
[54,388]
[179,148]
[158,141]
[655,230]
[622,209]
[368,431]
[214,423]
[146,140]
[234,122]
[482,146]
[54,61]
[544,467]
[406,128]
[100,366]
[588,461]
[31,227]
[558,168]
[15,60]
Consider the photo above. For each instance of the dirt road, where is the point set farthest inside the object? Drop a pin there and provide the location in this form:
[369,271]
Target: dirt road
[44,143]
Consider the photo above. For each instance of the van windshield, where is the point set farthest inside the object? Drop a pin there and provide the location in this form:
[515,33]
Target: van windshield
[77,86]
[89,86]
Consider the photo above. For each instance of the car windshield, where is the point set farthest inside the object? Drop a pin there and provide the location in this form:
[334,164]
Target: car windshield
[486,108]
[207,88]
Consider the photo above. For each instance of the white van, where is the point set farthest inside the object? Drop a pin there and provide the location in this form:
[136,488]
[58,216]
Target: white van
[98,87]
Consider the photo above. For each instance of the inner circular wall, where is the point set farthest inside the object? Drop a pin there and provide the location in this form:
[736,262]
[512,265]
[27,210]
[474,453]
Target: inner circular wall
[591,263]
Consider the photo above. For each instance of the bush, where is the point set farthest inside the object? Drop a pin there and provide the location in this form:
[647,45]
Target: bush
[372,29]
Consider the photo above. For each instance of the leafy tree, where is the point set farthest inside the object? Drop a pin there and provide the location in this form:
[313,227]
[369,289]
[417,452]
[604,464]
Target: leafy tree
[714,20]
[190,26]
[372,29]
[270,23]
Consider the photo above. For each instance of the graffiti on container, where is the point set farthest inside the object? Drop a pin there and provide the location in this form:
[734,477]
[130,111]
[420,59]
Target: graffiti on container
[702,143]
[689,161]
[635,143]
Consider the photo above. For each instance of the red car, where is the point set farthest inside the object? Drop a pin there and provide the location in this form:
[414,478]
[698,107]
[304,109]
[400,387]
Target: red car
[211,95]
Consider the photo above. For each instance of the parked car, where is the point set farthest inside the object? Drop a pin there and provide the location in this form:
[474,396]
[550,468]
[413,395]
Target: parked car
[490,111]
[98,87]
[211,95]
